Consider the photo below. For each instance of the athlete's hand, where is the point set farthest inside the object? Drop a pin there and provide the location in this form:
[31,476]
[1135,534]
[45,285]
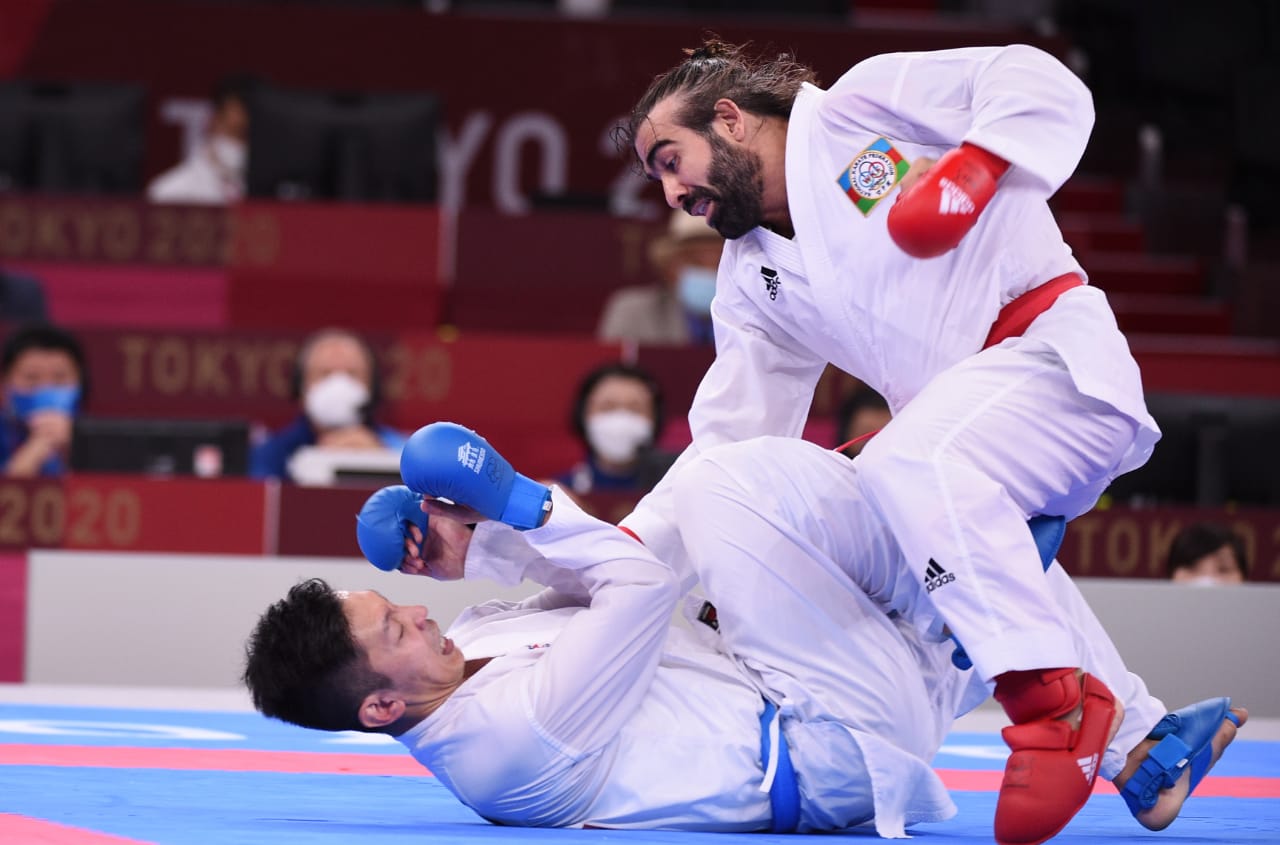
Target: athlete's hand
[919,167]
[937,208]
[382,526]
[446,460]
[397,529]
[451,511]
[441,552]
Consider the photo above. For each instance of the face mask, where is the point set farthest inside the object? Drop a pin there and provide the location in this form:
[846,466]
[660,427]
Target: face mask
[229,152]
[22,404]
[1203,581]
[336,401]
[617,436]
[696,287]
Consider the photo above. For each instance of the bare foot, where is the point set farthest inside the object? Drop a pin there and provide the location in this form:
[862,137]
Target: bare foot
[1170,801]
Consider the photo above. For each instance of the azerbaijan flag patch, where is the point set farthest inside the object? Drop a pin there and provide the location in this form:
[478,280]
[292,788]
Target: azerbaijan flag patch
[872,174]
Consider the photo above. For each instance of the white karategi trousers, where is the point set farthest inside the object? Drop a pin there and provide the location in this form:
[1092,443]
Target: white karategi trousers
[806,541]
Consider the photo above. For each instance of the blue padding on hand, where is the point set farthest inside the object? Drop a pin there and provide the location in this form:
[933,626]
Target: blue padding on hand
[1048,532]
[449,461]
[382,525]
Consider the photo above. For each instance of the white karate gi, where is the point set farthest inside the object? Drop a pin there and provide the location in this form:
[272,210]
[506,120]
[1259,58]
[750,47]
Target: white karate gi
[606,715]
[980,440]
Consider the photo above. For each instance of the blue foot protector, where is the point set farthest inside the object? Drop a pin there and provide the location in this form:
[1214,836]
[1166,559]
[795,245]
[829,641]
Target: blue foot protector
[1186,739]
[1047,531]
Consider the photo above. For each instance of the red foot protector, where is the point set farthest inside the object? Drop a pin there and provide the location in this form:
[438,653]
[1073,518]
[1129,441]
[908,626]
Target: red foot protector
[1051,772]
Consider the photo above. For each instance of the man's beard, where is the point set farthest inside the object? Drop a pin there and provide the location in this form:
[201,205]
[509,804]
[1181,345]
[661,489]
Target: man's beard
[736,187]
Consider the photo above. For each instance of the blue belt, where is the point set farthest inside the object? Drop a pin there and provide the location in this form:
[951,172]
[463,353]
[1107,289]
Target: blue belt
[779,776]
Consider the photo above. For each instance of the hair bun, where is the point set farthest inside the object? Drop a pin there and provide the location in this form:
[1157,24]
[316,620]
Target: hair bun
[712,48]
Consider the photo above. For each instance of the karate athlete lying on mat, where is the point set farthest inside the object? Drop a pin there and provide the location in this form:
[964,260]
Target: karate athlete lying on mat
[818,705]
[897,225]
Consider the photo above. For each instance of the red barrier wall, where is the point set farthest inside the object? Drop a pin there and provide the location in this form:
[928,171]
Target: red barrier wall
[131,513]
[229,516]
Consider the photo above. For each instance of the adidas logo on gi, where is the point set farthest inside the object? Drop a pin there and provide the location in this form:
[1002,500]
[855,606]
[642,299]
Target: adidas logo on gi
[771,281]
[935,576]
[1088,766]
[953,199]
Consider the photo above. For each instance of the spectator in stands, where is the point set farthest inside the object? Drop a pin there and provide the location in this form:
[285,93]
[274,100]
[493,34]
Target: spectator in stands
[336,384]
[862,412]
[214,171]
[678,310]
[1207,554]
[44,380]
[617,414]
[21,298]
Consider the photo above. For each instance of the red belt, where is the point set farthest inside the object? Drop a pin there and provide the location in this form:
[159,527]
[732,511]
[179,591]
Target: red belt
[1014,319]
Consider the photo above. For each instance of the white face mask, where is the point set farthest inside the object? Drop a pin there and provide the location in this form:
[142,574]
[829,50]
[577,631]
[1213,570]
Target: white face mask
[229,152]
[616,436]
[336,401]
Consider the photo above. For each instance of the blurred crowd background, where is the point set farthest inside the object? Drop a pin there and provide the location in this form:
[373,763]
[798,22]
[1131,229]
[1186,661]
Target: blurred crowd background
[268,239]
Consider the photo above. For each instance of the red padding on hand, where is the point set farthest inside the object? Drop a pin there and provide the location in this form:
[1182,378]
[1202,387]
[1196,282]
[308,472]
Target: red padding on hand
[943,205]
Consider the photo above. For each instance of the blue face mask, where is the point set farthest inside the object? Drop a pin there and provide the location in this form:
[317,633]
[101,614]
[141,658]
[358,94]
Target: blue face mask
[696,287]
[22,404]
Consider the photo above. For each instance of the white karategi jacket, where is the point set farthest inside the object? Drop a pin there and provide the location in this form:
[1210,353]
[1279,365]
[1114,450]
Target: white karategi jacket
[1065,400]
[595,710]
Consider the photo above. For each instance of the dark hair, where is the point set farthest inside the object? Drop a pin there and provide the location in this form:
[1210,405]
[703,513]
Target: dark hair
[578,416]
[44,336]
[859,399]
[302,664]
[238,86]
[762,86]
[375,374]
[1203,538]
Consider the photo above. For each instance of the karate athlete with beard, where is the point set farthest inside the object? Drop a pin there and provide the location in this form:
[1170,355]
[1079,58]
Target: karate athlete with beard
[896,226]
[814,704]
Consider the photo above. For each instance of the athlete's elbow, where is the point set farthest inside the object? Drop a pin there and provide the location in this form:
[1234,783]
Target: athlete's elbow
[1066,91]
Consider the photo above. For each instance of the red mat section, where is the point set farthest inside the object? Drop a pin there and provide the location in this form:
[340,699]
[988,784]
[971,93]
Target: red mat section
[29,831]
[226,760]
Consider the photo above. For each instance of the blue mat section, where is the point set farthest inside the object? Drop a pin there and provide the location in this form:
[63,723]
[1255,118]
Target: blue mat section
[244,808]
[36,725]
[203,808]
